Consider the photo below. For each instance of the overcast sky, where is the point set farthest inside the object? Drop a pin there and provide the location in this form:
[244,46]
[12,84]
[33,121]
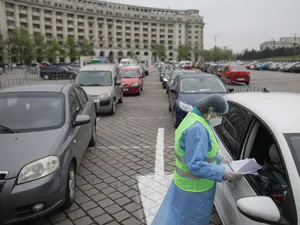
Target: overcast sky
[240,23]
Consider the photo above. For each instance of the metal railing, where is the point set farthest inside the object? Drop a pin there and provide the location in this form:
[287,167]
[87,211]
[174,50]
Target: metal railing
[242,87]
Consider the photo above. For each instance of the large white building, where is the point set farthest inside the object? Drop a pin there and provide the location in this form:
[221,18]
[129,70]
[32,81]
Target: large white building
[113,29]
[283,42]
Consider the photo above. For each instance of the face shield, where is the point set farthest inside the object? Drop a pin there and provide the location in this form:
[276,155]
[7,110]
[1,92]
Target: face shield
[215,106]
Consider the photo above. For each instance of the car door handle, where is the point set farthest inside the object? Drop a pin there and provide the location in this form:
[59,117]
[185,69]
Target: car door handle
[230,184]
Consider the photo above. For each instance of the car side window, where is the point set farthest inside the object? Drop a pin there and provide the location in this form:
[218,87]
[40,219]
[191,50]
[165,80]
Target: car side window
[233,129]
[82,96]
[74,104]
[272,180]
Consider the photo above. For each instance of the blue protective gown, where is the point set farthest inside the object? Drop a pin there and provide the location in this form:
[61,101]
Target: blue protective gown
[192,208]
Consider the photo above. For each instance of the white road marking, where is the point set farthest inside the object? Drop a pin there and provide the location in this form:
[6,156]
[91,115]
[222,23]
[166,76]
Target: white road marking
[153,187]
[98,119]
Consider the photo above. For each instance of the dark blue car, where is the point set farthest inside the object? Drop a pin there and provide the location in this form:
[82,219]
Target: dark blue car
[187,89]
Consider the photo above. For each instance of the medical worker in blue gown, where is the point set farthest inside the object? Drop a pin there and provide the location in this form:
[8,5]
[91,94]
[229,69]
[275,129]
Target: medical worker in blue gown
[190,197]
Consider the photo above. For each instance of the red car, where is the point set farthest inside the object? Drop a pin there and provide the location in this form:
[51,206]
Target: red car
[236,73]
[132,81]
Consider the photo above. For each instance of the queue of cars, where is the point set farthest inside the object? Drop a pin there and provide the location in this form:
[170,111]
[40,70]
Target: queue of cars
[184,87]
[42,149]
[275,66]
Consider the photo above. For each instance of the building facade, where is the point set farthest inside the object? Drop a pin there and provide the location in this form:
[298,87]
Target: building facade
[283,42]
[113,29]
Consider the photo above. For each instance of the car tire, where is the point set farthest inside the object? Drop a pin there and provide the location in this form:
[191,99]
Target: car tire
[247,83]
[142,88]
[113,107]
[70,187]
[121,99]
[175,121]
[94,136]
[139,93]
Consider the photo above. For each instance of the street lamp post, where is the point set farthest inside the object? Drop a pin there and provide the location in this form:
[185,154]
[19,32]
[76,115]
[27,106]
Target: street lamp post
[215,37]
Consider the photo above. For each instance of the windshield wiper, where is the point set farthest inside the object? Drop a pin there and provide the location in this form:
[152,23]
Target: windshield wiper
[7,129]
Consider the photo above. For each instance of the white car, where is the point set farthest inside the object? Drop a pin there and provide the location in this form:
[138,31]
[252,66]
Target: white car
[254,122]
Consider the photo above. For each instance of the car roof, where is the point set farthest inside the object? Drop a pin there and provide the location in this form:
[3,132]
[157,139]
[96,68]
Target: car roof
[57,87]
[102,67]
[197,75]
[279,110]
[129,68]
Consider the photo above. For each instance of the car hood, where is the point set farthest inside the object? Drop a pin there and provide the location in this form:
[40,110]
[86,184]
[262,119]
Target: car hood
[129,80]
[191,99]
[17,150]
[97,90]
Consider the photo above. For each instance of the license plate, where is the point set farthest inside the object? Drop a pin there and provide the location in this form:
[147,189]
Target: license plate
[125,89]
[241,79]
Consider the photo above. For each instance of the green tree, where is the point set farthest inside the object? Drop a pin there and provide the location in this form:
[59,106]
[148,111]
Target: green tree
[197,53]
[183,52]
[86,49]
[71,48]
[160,51]
[40,46]
[22,45]
[53,51]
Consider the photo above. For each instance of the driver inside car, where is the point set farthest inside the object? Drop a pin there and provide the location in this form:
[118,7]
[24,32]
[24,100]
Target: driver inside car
[272,176]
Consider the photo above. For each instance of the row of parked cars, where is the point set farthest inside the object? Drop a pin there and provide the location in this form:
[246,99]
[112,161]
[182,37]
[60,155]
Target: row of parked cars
[184,87]
[248,130]
[45,130]
[275,66]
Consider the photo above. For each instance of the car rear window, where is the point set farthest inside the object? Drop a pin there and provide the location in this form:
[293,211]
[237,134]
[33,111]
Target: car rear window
[129,73]
[31,111]
[238,68]
[202,85]
[94,78]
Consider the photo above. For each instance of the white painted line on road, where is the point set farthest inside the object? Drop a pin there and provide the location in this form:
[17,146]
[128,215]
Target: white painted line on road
[153,187]
[159,154]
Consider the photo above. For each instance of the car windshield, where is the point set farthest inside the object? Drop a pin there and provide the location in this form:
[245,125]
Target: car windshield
[125,62]
[94,78]
[238,68]
[31,111]
[202,85]
[129,73]
[294,143]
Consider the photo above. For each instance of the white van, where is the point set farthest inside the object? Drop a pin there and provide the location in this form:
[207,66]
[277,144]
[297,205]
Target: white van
[125,62]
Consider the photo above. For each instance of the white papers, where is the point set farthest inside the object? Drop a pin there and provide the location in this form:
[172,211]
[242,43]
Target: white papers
[245,166]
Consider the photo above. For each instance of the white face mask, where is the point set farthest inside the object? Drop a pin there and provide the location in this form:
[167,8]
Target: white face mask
[216,121]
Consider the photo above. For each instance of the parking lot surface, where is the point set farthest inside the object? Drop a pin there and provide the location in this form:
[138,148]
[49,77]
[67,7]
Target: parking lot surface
[124,178]
[276,81]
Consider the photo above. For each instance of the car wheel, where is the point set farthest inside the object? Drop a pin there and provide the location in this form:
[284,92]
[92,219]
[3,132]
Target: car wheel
[121,98]
[113,107]
[71,187]
[142,88]
[175,121]
[139,93]
[247,83]
[94,136]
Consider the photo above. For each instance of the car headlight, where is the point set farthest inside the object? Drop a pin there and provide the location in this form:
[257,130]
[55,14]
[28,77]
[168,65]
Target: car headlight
[105,95]
[135,85]
[165,79]
[185,107]
[38,169]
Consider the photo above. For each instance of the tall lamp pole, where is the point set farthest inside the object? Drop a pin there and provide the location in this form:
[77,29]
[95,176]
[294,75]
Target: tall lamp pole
[215,38]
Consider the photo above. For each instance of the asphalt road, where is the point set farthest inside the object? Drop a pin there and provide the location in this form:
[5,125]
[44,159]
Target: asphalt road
[124,178]
[276,81]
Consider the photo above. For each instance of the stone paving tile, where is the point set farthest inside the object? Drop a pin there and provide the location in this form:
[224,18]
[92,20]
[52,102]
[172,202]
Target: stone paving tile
[108,191]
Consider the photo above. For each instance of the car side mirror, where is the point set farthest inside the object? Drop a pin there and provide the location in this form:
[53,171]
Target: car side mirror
[81,120]
[118,82]
[231,90]
[261,209]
